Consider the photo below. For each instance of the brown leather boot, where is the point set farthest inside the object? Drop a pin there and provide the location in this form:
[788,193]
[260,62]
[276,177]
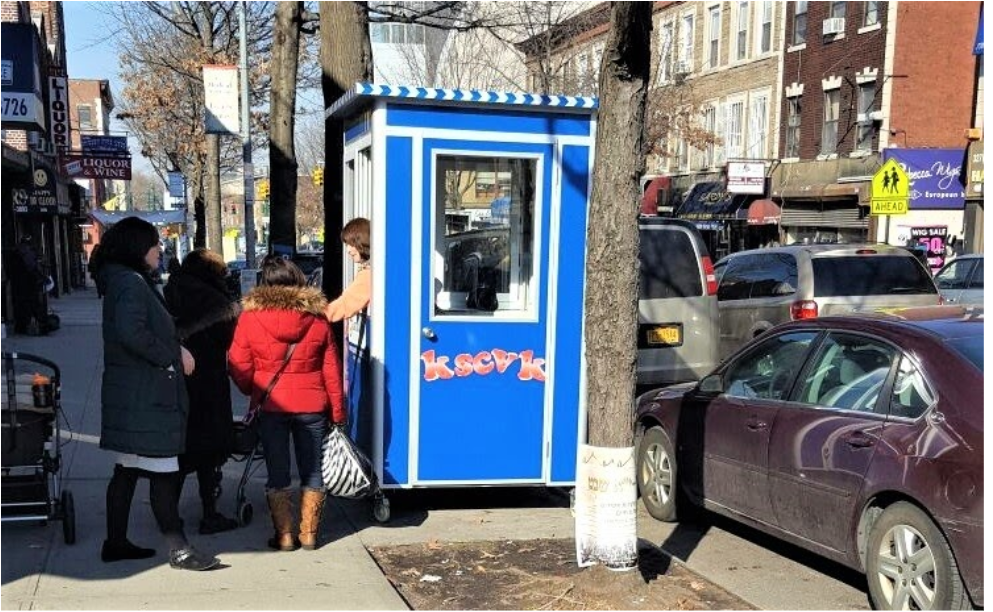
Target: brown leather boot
[311,510]
[281,509]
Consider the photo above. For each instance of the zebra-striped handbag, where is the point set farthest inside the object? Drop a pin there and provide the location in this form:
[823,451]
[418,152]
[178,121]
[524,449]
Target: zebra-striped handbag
[347,472]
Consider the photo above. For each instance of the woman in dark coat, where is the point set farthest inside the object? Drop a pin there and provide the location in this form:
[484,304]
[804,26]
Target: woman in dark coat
[143,395]
[205,320]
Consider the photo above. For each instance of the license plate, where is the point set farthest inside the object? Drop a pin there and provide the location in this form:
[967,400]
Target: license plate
[665,335]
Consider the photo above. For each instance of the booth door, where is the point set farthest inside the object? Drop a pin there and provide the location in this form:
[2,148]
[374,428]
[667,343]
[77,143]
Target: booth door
[481,413]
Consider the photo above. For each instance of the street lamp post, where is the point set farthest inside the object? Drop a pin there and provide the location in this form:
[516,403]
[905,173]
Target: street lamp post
[246,142]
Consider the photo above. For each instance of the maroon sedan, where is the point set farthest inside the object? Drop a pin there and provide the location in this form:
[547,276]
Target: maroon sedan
[857,437]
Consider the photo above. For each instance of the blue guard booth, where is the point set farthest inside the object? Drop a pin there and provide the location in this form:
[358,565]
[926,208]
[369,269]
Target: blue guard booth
[478,204]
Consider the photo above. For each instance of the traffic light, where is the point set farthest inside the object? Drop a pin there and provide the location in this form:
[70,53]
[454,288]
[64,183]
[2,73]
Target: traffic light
[262,189]
[317,175]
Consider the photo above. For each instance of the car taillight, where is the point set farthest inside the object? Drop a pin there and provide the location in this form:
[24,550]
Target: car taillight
[708,273]
[804,309]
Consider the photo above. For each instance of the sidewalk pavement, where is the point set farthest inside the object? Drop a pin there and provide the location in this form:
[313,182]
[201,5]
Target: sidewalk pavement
[39,571]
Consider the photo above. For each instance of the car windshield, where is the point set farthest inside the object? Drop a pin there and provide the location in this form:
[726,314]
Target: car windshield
[870,275]
[970,347]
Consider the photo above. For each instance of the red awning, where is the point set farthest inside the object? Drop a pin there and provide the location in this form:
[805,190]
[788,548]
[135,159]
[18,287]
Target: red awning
[764,212]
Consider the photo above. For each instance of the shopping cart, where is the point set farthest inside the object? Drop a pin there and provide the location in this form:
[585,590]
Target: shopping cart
[31,470]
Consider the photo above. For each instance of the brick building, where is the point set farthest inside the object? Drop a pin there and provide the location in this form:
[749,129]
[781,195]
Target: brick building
[38,201]
[863,82]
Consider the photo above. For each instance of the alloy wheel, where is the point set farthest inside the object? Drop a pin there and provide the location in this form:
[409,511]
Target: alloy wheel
[658,475]
[906,570]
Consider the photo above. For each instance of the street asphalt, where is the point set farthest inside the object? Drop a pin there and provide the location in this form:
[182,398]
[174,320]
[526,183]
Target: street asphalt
[40,571]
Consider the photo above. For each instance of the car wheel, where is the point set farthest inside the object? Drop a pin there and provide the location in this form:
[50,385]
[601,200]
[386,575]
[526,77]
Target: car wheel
[909,564]
[657,474]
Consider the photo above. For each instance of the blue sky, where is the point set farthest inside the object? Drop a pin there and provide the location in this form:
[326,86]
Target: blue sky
[90,54]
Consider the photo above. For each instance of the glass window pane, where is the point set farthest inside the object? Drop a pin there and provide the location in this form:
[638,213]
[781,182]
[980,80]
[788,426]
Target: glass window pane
[484,228]
[668,266]
[911,395]
[977,276]
[848,373]
[869,275]
[768,371]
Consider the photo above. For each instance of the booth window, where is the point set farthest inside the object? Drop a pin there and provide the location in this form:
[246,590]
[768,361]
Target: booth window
[484,233]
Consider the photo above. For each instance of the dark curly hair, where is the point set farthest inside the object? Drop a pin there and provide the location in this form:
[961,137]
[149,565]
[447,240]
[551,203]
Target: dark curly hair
[127,242]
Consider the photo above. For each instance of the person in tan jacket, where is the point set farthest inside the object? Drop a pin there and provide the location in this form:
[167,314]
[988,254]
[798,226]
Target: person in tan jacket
[355,297]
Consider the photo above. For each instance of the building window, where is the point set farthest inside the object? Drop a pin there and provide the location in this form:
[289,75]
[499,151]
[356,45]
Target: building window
[866,125]
[763,33]
[758,126]
[682,154]
[741,35]
[84,112]
[829,134]
[871,16]
[838,10]
[686,35]
[793,115]
[713,58]
[800,23]
[734,135]
[666,42]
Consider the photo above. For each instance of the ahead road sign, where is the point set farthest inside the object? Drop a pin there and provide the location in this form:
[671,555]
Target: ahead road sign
[890,190]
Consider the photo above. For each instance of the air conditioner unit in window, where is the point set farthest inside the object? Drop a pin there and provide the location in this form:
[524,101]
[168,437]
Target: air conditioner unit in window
[834,25]
[682,67]
[876,115]
[862,119]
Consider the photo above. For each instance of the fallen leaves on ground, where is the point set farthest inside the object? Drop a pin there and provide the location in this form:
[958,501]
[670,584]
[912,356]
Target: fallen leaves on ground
[541,575]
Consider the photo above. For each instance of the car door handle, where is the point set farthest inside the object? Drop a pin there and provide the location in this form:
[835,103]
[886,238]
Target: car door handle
[755,424]
[860,440]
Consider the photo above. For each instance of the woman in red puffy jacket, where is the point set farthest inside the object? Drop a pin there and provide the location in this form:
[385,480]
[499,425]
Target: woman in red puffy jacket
[281,312]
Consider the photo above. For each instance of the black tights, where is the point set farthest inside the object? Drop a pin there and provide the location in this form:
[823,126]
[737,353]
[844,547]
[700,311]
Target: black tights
[164,490]
[207,483]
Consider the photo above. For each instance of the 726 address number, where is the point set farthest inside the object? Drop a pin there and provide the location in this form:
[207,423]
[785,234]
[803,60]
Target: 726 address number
[16,107]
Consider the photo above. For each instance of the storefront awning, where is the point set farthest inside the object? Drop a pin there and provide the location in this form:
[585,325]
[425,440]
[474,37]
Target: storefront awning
[711,201]
[155,217]
[819,191]
[764,212]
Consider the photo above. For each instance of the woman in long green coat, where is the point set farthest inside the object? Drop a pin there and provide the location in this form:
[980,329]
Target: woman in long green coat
[143,394]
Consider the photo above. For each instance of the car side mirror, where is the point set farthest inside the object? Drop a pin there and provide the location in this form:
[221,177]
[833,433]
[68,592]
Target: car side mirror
[712,385]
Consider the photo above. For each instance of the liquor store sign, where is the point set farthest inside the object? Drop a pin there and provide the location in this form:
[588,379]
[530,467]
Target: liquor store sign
[97,167]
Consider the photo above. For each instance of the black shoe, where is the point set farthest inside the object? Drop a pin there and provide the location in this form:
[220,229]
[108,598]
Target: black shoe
[216,523]
[112,551]
[189,558]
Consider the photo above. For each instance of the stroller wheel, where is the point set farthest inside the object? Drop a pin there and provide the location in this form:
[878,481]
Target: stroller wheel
[245,513]
[381,509]
[68,518]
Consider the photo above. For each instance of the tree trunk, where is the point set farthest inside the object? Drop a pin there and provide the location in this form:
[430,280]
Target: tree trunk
[215,235]
[346,58]
[612,230]
[282,113]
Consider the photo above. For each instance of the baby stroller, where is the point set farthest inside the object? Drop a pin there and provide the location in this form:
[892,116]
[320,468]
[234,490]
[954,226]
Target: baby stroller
[247,448]
[32,458]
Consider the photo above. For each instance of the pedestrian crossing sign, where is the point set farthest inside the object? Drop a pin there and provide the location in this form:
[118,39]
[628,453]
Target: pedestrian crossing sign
[890,190]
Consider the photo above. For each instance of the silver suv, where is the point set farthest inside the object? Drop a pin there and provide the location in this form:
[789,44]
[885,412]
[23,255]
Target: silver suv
[677,306]
[760,288]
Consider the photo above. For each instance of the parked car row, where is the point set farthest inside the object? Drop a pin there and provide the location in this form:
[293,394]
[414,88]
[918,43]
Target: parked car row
[693,313]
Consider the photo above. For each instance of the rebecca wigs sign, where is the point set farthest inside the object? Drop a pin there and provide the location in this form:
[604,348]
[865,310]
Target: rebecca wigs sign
[220,88]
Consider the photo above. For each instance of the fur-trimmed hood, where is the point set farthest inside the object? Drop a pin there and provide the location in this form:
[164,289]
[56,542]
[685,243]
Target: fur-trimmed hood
[305,300]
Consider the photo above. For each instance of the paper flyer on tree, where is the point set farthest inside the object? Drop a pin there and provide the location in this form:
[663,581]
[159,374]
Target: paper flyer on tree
[606,507]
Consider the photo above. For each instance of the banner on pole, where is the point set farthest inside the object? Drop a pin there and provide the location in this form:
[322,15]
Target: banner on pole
[220,88]
[606,507]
